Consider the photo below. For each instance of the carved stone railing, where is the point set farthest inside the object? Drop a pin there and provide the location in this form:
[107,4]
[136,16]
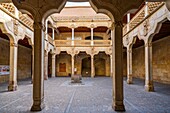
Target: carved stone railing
[140,16]
[26,19]
[9,8]
[82,43]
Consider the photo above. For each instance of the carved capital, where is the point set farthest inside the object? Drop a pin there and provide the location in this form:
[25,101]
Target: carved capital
[118,24]
[39,25]
[148,44]
[13,44]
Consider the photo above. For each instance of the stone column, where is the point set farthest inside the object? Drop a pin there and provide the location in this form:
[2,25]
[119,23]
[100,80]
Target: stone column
[38,82]
[111,66]
[72,38]
[146,9]
[92,66]
[92,42]
[118,103]
[16,12]
[53,64]
[148,67]
[13,67]
[32,63]
[46,31]
[129,65]
[45,65]
[72,65]
[53,33]
[128,20]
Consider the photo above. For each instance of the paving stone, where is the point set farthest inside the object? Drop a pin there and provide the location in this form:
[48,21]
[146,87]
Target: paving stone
[94,96]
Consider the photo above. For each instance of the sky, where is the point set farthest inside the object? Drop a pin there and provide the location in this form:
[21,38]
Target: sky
[68,4]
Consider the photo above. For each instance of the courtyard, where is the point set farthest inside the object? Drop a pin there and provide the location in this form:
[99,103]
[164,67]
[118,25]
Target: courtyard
[94,95]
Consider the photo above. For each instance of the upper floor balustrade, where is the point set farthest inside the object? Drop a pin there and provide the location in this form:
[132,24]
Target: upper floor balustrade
[146,11]
[83,43]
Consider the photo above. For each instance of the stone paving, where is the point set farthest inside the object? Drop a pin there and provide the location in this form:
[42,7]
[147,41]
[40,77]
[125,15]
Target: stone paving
[94,95]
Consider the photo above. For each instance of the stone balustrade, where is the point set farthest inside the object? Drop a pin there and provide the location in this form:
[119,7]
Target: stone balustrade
[82,43]
[149,8]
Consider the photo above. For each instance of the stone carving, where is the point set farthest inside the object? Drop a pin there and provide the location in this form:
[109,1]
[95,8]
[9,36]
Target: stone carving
[146,26]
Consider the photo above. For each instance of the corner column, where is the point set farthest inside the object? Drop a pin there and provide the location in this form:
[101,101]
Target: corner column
[92,66]
[53,64]
[148,67]
[118,104]
[38,82]
[13,67]
[46,65]
[129,65]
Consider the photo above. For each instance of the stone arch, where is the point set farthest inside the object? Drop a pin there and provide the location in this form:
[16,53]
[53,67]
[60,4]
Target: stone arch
[10,35]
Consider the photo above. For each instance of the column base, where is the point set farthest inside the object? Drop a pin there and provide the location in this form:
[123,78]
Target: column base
[53,76]
[149,88]
[119,107]
[38,105]
[46,77]
[12,87]
[129,81]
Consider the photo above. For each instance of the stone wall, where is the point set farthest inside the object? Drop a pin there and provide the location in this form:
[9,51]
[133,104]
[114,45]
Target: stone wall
[24,60]
[161,61]
[63,58]
[100,70]
[4,57]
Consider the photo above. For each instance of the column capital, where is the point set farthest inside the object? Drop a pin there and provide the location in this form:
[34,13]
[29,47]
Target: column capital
[45,54]
[13,44]
[148,44]
[92,26]
[53,55]
[39,25]
[129,49]
[115,24]
[118,23]
[92,56]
